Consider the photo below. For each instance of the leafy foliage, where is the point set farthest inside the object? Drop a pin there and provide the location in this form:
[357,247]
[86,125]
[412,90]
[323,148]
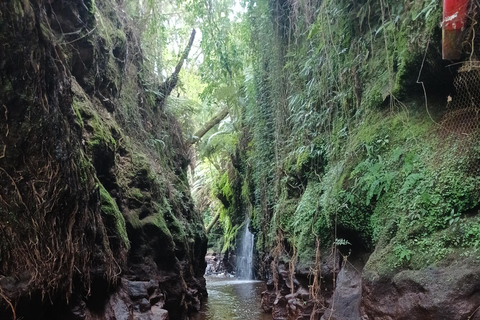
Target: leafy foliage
[327,131]
[323,150]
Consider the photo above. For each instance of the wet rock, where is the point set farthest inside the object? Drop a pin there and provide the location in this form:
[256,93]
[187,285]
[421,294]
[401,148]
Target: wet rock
[8,285]
[76,143]
[295,307]
[142,316]
[450,292]
[150,315]
[194,302]
[214,264]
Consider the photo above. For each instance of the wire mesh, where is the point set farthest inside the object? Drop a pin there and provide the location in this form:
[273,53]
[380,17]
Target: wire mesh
[462,116]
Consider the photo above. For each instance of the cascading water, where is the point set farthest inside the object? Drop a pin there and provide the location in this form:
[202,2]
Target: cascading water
[245,255]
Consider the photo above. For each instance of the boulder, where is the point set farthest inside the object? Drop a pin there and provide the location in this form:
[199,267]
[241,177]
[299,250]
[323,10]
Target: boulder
[345,302]
[437,292]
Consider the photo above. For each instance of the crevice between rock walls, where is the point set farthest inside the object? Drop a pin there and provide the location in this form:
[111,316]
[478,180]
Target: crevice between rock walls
[96,220]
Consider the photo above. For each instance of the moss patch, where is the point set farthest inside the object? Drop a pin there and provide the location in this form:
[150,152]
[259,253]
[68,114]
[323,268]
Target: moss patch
[109,208]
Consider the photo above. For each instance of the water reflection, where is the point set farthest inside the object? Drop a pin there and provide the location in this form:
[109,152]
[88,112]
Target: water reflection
[233,299]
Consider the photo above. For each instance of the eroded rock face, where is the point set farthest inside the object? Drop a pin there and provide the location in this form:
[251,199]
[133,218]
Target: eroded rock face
[444,292]
[95,223]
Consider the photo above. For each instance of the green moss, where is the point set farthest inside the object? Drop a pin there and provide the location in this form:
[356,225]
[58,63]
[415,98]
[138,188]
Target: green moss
[177,229]
[47,32]
[394,180]
[417,192]
[302,159]
[134,193]
[157,219]
[99,126]
[102,133]
[416,250]
[7,88]
[378,171]
[120,39]
[110,208]
[77,109]
[93,7]
[18,8]
[85,168]
[113,74]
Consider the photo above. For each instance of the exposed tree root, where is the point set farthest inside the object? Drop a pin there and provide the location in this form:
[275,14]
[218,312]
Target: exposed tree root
[9,303]
[473,313]
[316,287]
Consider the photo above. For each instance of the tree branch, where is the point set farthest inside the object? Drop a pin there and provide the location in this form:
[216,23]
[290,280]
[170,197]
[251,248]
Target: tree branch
[167,87]
[212,223]
[209,125]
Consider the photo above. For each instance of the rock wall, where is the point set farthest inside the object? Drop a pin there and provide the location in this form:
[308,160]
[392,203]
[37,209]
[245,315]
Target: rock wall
[96,218]
[447,291]
[360,139]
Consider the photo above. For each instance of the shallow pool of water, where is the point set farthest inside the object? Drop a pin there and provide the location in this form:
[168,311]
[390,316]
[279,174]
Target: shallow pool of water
[230,299]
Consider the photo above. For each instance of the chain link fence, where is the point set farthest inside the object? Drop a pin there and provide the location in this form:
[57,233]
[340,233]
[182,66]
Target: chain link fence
[462,118]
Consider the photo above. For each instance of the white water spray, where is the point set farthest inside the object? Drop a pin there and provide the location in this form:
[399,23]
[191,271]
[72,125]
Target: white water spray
[245,255]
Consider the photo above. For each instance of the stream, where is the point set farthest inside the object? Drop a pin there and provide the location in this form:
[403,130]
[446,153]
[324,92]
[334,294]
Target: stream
[230,299]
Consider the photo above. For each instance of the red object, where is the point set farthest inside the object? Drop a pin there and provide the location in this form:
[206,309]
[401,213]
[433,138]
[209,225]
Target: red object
[454,19]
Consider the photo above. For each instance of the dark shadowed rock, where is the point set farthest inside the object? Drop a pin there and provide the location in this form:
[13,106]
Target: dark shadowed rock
[144,305]
[78,310]
[159,313]
[100,243]
[138,289]
[279,311]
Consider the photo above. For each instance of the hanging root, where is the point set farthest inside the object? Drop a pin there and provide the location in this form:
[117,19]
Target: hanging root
[274,265]
[291,269]
[316,287]
[473,313]
[9,303]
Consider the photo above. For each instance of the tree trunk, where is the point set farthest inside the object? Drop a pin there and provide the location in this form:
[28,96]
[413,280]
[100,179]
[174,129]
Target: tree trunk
[209,125]
[166,88]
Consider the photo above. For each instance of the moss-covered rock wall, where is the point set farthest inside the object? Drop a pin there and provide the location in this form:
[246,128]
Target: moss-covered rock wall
[96,217]
[361,162]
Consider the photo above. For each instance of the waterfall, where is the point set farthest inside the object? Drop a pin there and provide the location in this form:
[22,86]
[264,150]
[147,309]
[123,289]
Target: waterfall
[245,255]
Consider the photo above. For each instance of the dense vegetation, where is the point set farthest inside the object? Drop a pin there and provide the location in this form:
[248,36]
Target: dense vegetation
[334,127]
[344,135]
